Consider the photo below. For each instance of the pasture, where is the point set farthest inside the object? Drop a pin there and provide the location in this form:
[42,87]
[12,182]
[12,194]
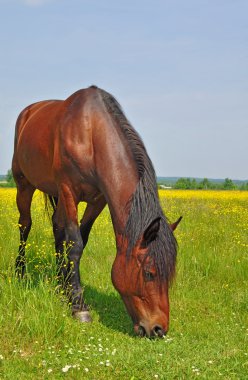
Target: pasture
[208,336]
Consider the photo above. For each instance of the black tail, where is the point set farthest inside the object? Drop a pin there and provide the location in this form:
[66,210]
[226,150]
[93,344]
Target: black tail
[50,205]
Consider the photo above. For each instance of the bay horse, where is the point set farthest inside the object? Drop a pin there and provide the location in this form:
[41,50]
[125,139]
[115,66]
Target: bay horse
[84,149]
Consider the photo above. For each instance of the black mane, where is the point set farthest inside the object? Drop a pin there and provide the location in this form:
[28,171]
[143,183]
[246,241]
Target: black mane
[144,204]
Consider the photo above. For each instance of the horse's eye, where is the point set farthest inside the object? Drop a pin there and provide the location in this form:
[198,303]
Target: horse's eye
[149,276]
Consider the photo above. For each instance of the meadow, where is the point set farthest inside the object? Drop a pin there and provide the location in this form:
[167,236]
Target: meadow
[208,336]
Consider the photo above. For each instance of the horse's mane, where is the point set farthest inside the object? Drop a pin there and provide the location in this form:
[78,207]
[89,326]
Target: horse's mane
[144,204]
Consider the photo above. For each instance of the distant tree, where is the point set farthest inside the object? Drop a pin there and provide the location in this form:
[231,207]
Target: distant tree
[244,186]
[205,184]
[183,183]
[180,184]
[188,183]
[10,178]
[194,184]
[228,184]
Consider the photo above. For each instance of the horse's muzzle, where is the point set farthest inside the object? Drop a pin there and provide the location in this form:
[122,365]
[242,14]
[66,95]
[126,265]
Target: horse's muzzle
[156,332]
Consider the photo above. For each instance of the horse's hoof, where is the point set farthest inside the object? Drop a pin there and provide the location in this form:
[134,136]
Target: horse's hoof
[82,316]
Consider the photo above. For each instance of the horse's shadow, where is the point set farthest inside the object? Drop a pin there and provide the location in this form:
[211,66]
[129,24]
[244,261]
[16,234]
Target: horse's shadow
[110,308]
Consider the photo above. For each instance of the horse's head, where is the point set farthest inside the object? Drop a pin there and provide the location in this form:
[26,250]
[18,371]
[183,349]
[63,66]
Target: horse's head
[143,290]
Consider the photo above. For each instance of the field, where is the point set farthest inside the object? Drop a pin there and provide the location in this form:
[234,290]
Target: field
[208,336]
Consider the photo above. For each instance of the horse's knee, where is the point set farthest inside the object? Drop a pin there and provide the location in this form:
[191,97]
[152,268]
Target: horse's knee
[74,241]
[25,225]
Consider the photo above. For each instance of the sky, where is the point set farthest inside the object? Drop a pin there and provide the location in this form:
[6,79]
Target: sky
[178,68]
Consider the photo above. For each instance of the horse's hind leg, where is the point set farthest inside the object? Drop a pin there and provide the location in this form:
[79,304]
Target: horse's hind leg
[23,199]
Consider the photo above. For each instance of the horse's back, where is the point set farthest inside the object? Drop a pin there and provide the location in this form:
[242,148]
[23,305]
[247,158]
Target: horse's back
[27,113]
[49,137]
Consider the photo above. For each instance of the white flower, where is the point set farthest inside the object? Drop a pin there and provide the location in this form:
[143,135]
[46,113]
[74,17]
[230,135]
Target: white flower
[196,370]
[49,370]
[1,357]
[86,369]
[66,368]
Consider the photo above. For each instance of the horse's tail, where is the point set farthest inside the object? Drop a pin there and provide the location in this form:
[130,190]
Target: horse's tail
[50,205]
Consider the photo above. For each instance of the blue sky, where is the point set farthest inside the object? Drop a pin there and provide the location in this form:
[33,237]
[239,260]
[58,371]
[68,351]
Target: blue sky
[179,69]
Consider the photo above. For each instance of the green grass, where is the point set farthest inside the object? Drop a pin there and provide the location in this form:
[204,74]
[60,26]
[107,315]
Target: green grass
[208,336]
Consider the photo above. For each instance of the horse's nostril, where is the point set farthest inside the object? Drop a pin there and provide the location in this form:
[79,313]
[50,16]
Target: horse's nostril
[158,331]
[141,331]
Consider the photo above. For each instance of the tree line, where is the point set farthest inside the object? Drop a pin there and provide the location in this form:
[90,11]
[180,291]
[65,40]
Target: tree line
[206,184]
[181,183]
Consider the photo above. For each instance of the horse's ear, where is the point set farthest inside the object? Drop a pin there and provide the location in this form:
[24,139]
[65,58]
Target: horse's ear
[151,232]
[173,226]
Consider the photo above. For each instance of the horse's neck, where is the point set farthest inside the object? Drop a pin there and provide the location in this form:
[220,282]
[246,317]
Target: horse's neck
[121,186]
[118,173]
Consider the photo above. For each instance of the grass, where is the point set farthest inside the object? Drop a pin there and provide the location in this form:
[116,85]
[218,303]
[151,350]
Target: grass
[208,337]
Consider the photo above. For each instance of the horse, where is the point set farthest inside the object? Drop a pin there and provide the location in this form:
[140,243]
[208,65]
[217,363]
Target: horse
[84,149]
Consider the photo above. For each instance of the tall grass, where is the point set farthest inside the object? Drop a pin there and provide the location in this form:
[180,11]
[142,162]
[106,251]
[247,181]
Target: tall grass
[208,335]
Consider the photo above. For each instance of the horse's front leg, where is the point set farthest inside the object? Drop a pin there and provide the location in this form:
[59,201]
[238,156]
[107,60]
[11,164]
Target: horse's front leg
[74,248]
[91,213]
[67,234]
